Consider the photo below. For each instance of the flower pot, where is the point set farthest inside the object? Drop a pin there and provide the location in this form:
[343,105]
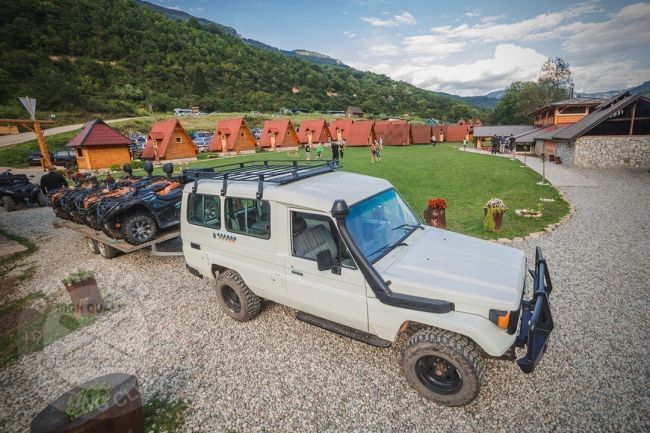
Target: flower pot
[435,218]
[85,296]
[122,412]
[498,217]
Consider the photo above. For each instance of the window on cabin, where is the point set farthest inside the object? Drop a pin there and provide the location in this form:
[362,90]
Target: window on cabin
[80,152]
[178,139]
[573,110]
[241,134]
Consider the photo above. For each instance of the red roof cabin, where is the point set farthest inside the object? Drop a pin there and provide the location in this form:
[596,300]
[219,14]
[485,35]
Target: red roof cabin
[278,134]
[314,131]
[360,134]
[167,140]
[232,136]
[100,146]
[339,128]
[421,134]
[458,132]
[393,134]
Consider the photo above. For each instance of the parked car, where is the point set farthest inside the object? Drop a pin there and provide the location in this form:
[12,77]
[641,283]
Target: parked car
[65,158]
[357,261]
[34,157]
[257,133]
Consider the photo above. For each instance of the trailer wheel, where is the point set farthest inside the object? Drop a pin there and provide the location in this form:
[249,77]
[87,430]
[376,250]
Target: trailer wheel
[443,366]
[8,203]
[236,299]
[41,200]
[106,251]
[92,245]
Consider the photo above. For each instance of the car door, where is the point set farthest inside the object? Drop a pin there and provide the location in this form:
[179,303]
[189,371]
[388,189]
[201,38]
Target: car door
[337,296]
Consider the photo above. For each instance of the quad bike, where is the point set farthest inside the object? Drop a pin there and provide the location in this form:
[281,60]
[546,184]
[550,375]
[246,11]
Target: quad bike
[17,189]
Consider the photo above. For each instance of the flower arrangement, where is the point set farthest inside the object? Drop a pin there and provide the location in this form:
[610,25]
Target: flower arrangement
[78,277]
[494,210]
[496,203]
[437,203]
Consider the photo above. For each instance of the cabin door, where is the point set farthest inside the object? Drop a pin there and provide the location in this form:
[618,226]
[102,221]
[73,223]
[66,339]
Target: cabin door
[272,136]
[309,137]
[224,143]
[338,134]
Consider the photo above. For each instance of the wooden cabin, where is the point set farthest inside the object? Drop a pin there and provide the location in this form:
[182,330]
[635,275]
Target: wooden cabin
[100,146]
[360,134]
[353,112]
[167,140]
[232,136]
[457,132]
[421,134]
[393,134]
[314,131]
[278,134]
[339,128]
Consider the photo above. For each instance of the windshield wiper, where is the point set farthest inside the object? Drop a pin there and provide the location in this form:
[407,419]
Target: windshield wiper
[410,226]
[388,247]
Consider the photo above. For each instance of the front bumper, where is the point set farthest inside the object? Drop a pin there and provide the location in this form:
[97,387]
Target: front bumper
[536,321]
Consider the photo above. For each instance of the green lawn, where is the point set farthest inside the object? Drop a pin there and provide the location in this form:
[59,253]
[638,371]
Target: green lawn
[15,155]
[466,180]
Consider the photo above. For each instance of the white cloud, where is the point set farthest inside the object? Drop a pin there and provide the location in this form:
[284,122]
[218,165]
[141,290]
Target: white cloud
[432,45]
[350,34]
[609,75]
[492,18]
[384,50]
[405,18]
[473,13]
[627,28]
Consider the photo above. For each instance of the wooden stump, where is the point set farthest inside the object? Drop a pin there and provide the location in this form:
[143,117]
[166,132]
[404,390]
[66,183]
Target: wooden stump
[85,297]
[122,412]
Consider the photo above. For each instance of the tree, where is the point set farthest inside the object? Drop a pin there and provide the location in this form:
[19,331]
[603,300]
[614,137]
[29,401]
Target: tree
[555,79]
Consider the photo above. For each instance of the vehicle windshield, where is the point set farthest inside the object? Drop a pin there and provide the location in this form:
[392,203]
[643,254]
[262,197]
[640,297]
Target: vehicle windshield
[379,223]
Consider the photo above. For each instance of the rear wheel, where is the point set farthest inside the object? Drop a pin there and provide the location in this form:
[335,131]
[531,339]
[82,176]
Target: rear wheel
[443,367]
[106,251]
[41,199]
[236,299]
[139,228]
[8,203]
[92,245]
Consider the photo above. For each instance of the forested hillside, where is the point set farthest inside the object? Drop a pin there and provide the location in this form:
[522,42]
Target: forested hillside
[115,56]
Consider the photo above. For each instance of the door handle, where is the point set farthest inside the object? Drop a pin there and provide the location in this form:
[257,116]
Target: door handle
[293,271]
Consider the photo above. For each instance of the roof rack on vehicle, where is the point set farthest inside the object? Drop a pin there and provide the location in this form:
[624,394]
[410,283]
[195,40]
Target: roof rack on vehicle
[277,172]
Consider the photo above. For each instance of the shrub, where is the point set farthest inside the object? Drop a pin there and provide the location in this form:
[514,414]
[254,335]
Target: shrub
[78,277]
[88,400]
[115,167]
[136,164]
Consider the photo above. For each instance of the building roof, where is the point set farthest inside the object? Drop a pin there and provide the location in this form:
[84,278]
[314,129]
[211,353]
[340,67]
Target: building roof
[160,132]
[280,128]
[570,103]
[230,128]
[354,110]
[343,124]
[316,126]
[358,133]
[502,130]
[421,133]
[98,133]
[393,134]
[598,116]
[528,137]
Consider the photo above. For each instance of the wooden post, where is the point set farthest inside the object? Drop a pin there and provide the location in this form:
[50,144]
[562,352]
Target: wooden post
[632,120]
[45,153]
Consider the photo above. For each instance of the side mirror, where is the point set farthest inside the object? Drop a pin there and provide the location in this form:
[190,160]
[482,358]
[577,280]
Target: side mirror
[324,260]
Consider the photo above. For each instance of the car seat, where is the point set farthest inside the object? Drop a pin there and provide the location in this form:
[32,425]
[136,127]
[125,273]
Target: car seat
[307,242]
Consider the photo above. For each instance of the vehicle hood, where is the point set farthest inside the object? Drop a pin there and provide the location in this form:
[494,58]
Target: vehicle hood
[474,274]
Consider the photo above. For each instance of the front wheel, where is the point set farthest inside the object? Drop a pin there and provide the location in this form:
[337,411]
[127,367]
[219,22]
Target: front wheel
[139,228]
[8,203]
[443,367]
[236,299]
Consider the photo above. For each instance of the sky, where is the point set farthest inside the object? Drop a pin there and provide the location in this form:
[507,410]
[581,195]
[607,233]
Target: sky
[461,47]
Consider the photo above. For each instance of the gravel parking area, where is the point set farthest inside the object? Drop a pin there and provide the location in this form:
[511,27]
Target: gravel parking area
[277,374]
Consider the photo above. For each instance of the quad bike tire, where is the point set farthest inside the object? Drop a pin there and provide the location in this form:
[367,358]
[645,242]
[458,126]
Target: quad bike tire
[235,298]
[443,367]
[41,200]
[138,228]
[92,245]
[106,251]
[8,203]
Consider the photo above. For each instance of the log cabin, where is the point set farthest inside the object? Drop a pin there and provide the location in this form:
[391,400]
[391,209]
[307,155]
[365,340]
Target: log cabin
[278,134]
[232,136]
[168,140]
[360,134]
[99,146]
[314,131]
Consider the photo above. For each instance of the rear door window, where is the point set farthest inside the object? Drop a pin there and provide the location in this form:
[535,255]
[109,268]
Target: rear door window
[204,210]
[248,217]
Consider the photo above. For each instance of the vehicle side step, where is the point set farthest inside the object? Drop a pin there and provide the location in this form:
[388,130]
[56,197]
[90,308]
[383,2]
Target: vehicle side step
[346,331]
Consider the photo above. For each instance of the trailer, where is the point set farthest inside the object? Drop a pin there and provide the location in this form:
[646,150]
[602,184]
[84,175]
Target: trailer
[99,243]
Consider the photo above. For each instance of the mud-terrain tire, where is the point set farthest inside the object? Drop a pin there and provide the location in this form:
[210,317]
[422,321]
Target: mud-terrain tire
[443,367]
[138,228]
[106,251]
[92,245]
[41,200]
[8,203]
[236,299]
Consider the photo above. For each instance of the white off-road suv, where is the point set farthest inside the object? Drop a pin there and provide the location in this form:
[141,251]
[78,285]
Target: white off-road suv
[347,252]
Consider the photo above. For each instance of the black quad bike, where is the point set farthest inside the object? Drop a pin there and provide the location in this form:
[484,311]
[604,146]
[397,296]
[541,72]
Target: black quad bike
[16,189]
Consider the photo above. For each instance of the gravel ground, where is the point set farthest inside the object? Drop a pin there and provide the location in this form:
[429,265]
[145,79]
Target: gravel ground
[278,374]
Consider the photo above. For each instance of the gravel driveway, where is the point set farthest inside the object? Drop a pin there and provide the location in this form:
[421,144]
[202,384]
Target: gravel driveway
[280,375]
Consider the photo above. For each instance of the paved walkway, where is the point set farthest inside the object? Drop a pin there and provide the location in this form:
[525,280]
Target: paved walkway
[8,140]
[557,174]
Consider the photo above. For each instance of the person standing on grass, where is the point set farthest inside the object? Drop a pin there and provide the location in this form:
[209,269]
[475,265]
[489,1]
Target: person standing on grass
[373,152]
[495,143]
[342,148]
[308,152]
[52,181]
[380,148]
[319,151]
[512,144]
[335,150]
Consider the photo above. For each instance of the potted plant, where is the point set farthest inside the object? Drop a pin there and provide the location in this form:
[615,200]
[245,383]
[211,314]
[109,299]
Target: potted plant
[109,403]
[434,214]
[84,293]
[493,214]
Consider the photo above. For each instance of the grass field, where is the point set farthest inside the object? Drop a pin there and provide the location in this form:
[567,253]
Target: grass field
[466,180]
